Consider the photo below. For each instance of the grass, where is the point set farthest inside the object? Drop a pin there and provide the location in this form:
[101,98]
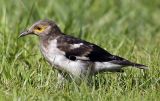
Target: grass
[128,28]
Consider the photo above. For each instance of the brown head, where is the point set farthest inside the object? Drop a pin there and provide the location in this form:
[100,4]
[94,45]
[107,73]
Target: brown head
[42,28]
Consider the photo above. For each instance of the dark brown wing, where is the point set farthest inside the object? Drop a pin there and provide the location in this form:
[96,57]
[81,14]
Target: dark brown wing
[86,51]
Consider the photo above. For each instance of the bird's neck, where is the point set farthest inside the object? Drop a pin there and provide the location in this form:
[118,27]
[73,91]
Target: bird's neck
[45,40]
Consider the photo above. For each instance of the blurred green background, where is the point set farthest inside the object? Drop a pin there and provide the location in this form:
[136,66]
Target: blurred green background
[128,28]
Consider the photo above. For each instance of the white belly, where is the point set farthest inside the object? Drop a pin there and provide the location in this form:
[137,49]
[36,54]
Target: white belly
[76,68]
[57,59]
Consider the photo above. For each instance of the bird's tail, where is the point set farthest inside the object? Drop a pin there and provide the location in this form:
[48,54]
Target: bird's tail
[140,66]
[128,63]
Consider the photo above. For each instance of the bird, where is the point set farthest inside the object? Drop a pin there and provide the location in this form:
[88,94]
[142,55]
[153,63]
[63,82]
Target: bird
[73,56]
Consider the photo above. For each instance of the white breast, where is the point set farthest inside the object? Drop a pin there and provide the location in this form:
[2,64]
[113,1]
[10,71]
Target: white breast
[57,58]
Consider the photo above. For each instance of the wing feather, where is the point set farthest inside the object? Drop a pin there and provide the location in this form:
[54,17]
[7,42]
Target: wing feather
[86,51]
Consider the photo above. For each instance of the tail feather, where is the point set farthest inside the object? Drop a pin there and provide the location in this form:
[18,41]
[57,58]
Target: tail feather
[128,63]
[140,66]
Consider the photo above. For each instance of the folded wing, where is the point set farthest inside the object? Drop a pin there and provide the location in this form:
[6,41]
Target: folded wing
[77,49]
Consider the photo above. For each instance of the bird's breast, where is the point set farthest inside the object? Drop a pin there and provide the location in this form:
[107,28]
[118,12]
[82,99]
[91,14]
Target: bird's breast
[50,50]
[58,59]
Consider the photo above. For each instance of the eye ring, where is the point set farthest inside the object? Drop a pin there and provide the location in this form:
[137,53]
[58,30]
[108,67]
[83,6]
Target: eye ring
[38,28]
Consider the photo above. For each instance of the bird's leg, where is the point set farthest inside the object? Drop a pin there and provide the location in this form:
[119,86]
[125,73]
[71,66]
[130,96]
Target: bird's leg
[60,80]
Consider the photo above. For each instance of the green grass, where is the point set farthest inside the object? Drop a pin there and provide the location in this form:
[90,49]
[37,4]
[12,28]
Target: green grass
[128,28]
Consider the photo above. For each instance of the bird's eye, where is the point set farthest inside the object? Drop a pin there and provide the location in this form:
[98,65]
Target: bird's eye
[39,28]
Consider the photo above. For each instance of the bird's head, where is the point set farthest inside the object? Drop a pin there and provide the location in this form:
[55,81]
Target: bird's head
[42,28]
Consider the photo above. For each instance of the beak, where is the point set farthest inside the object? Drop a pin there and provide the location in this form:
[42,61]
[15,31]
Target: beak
[25,33]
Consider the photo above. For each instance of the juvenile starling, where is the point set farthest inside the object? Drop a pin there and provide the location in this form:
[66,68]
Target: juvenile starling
[72,55]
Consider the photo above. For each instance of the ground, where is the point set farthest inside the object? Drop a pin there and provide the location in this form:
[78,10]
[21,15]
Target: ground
[128,28]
